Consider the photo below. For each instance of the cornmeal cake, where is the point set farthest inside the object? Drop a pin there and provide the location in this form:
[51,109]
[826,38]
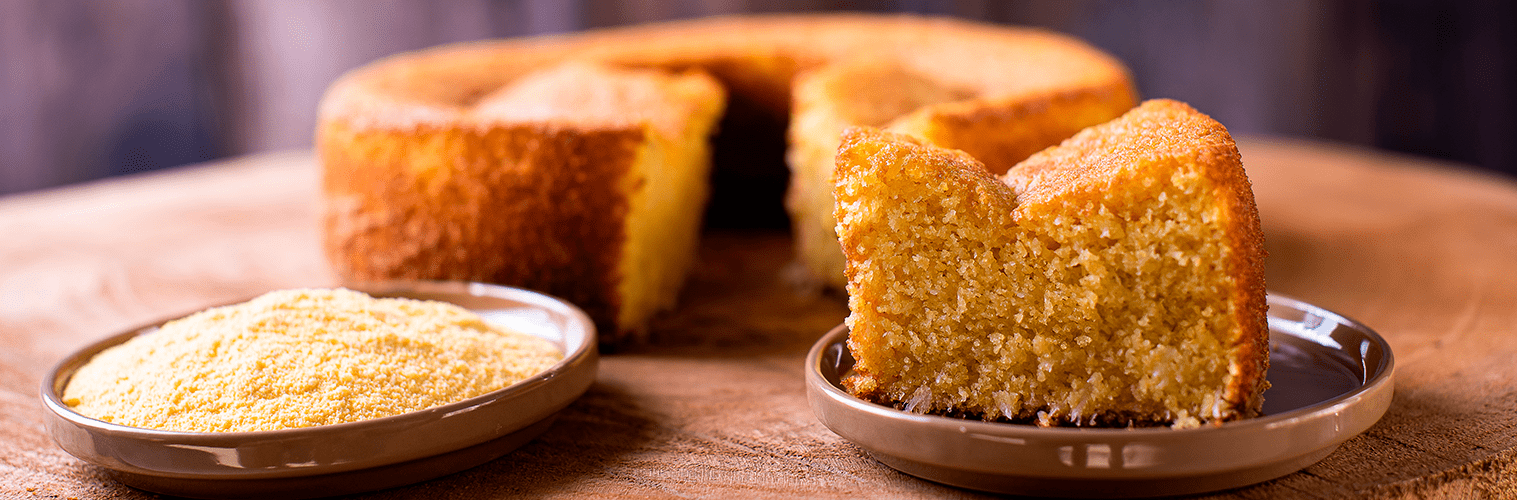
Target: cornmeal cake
[431,174]
[1115,279]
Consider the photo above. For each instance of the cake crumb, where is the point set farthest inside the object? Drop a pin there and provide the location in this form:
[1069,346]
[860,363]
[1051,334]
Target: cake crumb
[1113,280]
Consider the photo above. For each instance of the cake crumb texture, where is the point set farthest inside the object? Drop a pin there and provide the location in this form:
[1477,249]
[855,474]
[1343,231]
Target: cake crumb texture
[1115,279]
[303,358]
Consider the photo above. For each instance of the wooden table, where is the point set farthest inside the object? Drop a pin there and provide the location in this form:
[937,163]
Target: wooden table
[715,406]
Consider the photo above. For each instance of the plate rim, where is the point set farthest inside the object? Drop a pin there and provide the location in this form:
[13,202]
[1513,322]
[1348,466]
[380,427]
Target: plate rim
[1377,388]
[578,366]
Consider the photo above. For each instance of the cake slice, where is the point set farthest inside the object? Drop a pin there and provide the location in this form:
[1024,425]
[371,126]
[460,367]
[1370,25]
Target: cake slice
[1114,280]
[583,180]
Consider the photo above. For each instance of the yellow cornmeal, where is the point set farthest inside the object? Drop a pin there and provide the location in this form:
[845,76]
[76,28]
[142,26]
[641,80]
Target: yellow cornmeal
[302,358]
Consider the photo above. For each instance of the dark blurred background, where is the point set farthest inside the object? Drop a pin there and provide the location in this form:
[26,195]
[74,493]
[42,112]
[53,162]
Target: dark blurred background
[97,88]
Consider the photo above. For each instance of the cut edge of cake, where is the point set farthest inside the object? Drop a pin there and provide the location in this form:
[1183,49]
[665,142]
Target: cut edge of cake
[410,204]
[1115,279]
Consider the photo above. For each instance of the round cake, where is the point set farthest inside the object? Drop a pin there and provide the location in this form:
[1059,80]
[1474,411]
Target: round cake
[576,164]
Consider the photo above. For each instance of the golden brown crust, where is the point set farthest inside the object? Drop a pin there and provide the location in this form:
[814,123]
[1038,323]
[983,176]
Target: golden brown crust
[753,55]
[1246,391]
[1003,133]
[530,207]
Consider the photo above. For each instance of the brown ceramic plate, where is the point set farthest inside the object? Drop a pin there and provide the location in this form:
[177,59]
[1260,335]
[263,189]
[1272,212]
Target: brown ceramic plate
[352,457]
[1330,376]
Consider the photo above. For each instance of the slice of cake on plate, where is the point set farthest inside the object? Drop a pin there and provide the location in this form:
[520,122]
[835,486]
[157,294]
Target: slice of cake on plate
[1115,279]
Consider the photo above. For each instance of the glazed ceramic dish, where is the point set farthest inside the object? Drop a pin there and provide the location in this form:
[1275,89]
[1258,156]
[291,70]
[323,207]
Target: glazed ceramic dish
[1330,377]
[352,457]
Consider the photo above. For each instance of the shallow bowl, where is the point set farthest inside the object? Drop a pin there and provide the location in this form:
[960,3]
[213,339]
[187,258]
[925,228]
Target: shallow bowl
[352,457]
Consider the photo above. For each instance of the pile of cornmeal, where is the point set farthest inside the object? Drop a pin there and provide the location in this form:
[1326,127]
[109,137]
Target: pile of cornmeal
[302,358]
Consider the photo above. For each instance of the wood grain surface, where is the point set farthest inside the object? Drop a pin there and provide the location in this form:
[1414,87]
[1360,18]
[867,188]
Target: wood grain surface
[714,405]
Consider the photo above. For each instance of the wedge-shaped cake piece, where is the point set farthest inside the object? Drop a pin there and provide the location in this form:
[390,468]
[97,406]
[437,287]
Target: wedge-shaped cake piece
[1115,279]
[586,181]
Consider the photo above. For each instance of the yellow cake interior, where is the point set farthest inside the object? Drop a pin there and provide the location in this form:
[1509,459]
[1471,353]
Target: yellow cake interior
[1112,280]
[667,185]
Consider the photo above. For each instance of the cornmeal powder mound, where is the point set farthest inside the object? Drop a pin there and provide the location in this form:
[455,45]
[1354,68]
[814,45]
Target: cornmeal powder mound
[302,358]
